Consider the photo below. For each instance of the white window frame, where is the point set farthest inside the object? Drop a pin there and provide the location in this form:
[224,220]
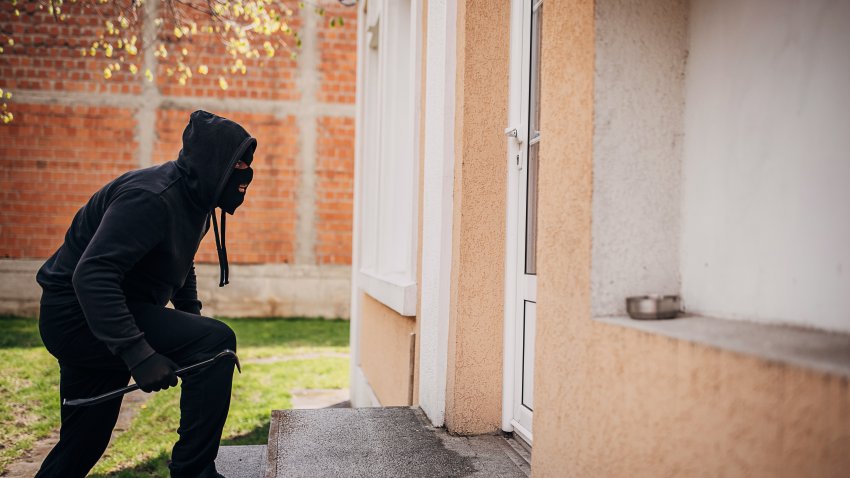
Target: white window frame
[515,257]
[389,154]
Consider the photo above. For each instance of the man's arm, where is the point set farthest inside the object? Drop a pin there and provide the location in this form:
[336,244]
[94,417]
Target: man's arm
[131,226]
[186,298]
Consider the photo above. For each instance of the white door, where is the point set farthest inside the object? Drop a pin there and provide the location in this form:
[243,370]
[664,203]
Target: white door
[523,146]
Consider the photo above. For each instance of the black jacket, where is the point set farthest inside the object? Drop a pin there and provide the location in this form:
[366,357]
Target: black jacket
[135,239]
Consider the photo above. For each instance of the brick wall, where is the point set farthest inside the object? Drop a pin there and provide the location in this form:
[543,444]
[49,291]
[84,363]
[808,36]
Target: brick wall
[47,57]
[74,131]
[334,190]
[289,244]
[51,163]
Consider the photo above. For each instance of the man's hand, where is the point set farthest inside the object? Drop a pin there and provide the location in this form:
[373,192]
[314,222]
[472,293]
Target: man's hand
[155,373]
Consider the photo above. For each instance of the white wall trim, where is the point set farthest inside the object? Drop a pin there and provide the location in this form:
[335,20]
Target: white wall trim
[396,293]
[362,394]
[438,185]
[354,313]
[511,234]
[388,223]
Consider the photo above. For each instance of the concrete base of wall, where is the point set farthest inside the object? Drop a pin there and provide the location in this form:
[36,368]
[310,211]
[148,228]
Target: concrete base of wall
[19,292]
[254,290]
[276,290]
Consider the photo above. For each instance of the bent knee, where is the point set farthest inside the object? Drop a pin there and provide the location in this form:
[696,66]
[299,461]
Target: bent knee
[222,336]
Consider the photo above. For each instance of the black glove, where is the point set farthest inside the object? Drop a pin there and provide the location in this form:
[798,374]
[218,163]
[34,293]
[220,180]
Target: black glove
[155,373]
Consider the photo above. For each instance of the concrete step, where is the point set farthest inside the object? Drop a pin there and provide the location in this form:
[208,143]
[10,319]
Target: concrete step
[394,442]
[246,461]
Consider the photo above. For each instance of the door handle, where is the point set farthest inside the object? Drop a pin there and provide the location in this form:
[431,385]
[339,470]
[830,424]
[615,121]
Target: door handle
[516,133]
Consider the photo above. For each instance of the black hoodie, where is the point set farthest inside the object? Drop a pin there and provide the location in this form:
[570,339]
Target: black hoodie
[135,240]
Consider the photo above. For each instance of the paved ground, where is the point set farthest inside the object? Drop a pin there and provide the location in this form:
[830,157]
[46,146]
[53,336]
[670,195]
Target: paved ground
[381,442]
[311,399]
[249,461]
[305,356]
[241,461]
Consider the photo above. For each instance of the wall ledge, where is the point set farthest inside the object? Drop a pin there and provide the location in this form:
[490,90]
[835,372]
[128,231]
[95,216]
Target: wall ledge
[827,352]
[397,294]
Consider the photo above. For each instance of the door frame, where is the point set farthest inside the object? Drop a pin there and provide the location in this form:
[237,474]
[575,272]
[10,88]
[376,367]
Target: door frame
[517,107]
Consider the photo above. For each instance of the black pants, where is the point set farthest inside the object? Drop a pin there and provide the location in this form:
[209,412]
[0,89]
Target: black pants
[88,368]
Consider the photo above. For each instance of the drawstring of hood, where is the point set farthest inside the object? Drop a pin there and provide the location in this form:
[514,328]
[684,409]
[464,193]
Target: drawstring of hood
[212,145]
[221,247]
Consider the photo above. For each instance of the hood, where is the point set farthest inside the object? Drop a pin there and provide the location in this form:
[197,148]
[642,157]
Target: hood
[211,147]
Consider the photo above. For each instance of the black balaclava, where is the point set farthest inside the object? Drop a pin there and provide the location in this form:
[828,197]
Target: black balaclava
[230,197]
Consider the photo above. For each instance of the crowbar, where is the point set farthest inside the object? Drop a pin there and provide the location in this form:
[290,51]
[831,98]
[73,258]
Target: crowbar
[83,402]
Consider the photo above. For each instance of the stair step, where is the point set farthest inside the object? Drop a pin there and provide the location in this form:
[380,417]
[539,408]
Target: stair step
[380,442]
[244,461]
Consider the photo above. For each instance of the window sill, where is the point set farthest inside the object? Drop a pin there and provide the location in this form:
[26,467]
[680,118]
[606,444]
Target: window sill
[396,294]
[823,351]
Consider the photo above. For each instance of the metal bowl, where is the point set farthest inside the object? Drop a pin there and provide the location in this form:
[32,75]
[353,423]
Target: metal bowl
[653,307]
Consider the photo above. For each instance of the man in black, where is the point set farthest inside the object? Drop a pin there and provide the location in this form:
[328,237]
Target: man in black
[128,252]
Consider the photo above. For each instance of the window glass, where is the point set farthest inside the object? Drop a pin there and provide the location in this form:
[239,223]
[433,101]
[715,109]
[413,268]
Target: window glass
[533,141]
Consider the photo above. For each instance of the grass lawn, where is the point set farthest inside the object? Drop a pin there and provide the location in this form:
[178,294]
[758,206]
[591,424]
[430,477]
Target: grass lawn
[30,390]
[29,386]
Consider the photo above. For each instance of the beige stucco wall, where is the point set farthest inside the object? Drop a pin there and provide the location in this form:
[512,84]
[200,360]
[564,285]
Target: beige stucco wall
[615,402]
[421,179]
[385,351]
[475,348]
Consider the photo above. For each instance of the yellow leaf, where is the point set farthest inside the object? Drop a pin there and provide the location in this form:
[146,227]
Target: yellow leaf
[222,83]
[203,69]
[133,69]
[107,73]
